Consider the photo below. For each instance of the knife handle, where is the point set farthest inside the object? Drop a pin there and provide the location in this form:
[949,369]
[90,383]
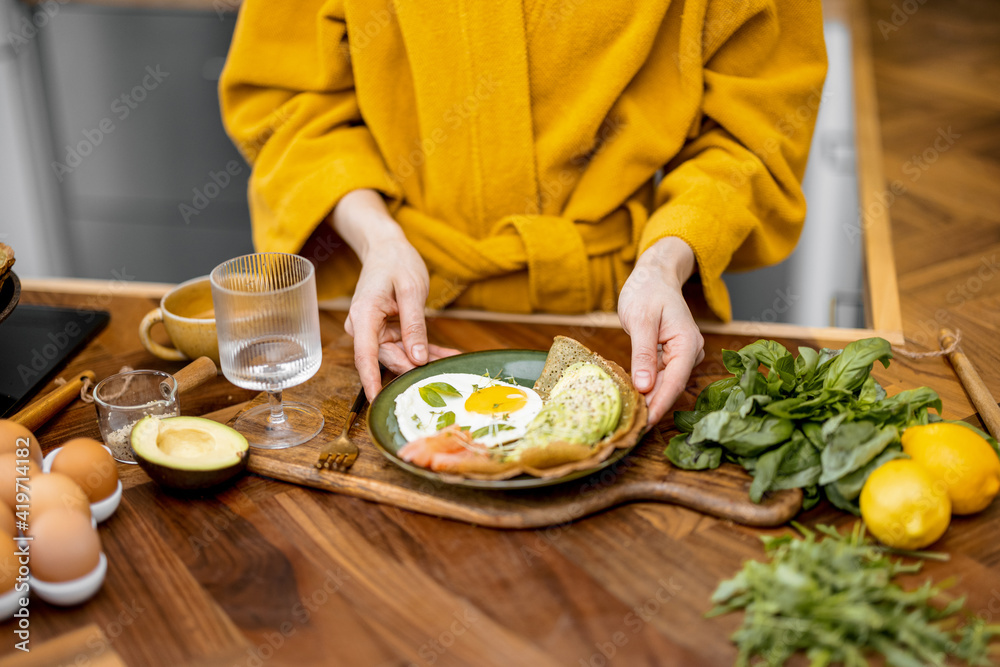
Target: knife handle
[973,383]
[195,373]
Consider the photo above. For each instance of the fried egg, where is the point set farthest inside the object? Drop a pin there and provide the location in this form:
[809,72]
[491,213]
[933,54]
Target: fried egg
[493,410]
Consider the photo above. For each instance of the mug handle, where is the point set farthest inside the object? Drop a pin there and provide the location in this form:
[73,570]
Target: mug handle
[152,318]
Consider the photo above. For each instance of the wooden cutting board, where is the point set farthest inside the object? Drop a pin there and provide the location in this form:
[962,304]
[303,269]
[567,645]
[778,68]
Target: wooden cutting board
[643,475]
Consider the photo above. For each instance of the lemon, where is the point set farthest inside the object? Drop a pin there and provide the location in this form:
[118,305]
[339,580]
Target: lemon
[961,459]
[904,506]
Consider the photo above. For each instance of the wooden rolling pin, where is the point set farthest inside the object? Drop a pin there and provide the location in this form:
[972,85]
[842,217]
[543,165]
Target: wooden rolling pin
[44,408]
[974,386]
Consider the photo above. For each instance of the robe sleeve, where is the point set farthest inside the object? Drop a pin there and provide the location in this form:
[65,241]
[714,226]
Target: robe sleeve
[734,192]
[288,103]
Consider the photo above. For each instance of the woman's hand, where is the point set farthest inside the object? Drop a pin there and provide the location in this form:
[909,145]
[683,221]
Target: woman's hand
[666,342]
[386,317]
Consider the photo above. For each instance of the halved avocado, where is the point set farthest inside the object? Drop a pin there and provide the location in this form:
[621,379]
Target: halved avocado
[189,453]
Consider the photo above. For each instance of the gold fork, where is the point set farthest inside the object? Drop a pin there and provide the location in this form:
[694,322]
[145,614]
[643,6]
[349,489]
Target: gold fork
[340,454]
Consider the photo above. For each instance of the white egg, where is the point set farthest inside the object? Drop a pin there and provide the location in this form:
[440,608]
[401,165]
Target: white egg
[494,411]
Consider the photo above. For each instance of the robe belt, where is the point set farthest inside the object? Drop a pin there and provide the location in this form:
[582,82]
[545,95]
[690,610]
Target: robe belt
[554,250]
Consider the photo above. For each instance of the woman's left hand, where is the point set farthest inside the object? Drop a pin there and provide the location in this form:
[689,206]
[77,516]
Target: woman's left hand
[666,342]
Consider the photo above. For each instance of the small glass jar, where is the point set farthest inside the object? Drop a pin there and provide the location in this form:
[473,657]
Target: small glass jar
[125,398]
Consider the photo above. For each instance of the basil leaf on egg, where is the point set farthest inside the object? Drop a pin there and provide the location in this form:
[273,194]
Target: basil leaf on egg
[431,397]
[445,420]
[443,388]
[491,430]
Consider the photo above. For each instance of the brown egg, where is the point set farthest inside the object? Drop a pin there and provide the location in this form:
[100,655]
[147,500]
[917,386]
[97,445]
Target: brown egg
[10,473]
[64,546]
[53,491]
[7,524]
[90,466]
[11,432]
[8,562]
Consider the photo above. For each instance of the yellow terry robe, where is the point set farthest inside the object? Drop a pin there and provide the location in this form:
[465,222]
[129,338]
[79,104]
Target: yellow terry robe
[530,150]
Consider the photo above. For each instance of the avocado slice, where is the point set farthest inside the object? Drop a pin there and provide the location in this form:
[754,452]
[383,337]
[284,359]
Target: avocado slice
[584,406]
[189,453]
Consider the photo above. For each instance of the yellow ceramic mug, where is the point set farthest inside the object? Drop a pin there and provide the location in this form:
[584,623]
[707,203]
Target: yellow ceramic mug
[189,318]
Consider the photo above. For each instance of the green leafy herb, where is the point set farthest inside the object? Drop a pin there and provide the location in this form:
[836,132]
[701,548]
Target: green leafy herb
[442,388]
[691,456]
[431,397]
[819,421]
[491,429]
[445,420]
[835,599]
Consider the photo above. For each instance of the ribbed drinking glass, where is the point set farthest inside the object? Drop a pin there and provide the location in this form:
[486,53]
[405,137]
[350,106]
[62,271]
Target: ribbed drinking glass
[268,324]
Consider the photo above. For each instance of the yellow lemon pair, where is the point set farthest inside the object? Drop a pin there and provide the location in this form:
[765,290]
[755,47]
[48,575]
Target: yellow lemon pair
[907,503]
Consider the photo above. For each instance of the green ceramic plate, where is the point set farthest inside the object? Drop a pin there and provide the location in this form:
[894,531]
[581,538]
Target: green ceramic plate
[523,365]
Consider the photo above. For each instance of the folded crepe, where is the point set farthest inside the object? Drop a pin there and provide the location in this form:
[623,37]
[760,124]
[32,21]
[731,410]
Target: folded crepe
[547,451]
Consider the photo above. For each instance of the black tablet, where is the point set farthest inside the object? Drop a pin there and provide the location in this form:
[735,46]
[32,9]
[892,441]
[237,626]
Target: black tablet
[35,343]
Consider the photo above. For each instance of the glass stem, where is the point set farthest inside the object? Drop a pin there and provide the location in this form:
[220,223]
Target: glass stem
[277,417]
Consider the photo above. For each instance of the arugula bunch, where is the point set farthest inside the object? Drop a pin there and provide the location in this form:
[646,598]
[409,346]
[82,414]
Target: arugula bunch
[836,599]
[819,421]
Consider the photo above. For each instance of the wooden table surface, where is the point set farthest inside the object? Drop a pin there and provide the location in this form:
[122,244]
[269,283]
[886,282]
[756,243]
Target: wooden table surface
[271,573]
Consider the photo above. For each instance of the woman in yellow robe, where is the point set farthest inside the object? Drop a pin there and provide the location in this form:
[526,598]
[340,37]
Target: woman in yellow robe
[544,155]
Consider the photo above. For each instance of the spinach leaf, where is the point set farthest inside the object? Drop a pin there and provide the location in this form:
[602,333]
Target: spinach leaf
[839,501]
[714,395]
[779,361]
[819,421]
[805,364]
[689,456]
[849,370]
[801,465]
[685,420]
[852,445]
[743,436]
[733,361]
[794,465]
[766,470]
[814,434]
[906,407]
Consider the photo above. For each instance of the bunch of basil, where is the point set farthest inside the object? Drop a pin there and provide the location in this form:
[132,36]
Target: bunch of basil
[819,422]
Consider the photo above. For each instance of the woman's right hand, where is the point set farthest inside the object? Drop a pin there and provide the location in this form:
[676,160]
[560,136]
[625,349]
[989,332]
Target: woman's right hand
[386,317]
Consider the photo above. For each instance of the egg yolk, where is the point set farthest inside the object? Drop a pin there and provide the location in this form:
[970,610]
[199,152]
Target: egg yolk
[490,400]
